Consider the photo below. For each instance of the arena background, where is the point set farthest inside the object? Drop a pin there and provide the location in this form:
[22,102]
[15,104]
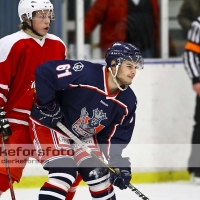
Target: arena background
[160,146]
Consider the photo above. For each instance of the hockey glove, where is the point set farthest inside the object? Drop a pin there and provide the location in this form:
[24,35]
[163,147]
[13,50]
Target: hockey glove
[48,116]
[122,177]
[4,125]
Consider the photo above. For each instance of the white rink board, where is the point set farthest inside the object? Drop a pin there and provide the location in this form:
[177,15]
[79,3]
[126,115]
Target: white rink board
[164,121]
[164,118]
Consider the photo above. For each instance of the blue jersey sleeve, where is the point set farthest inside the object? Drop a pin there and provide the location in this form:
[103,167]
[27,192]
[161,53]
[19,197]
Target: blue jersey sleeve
[54,76]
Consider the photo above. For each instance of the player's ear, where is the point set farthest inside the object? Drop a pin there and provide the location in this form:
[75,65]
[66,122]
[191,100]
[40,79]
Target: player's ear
[28,22]
[113,63]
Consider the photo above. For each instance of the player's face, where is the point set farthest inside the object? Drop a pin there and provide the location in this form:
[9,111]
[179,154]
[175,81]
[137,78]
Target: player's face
[41,21]
[126,72]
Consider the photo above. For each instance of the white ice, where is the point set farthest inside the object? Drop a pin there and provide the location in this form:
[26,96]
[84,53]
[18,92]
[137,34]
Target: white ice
[157,191]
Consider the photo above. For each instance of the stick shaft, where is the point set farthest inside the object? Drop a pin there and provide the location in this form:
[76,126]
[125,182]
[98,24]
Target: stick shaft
[12,193]
[89,151]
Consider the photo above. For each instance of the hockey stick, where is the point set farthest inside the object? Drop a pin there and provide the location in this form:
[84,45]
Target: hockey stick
[90,152]
[8,170]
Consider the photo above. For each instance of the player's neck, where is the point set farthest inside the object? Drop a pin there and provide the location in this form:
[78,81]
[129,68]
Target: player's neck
[29,32]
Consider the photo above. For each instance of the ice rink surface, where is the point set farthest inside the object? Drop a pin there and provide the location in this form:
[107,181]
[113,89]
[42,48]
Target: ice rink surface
[158,191]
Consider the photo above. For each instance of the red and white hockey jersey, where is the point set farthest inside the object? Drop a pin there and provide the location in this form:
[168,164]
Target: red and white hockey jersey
[20,54]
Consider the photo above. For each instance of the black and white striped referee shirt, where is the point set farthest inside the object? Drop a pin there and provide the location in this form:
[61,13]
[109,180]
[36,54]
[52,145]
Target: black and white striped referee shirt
[191,56]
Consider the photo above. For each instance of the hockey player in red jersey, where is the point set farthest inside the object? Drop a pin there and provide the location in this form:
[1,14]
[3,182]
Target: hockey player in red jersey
[96,104]
[20,54]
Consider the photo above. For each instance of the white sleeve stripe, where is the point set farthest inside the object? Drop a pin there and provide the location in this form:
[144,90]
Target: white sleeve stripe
[3,97]
[17,121]
[5,87]
[22,111]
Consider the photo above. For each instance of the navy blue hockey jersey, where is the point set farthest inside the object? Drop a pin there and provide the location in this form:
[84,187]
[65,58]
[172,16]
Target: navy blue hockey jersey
[81,88]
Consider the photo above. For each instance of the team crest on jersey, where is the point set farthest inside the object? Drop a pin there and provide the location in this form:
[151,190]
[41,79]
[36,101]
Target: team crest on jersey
[78,67]
[87,126]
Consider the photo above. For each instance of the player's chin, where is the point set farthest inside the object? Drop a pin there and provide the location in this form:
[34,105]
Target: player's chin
[129,82]
[43,32]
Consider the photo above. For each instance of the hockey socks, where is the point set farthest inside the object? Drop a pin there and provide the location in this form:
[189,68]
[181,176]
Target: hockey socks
[72,189]
[59,179]
[51,192]
[107,194]
[97,178]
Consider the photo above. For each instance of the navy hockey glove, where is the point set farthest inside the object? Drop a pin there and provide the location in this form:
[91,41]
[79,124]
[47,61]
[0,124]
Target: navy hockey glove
[4,125]
[122,177]
[48,116]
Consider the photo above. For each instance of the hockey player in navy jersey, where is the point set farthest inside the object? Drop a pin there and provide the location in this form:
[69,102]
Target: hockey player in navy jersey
[95,103]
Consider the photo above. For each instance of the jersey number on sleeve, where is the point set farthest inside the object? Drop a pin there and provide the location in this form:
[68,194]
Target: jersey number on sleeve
[65,67]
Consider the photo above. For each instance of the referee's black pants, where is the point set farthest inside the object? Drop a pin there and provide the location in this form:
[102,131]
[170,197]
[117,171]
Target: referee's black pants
[194,160]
